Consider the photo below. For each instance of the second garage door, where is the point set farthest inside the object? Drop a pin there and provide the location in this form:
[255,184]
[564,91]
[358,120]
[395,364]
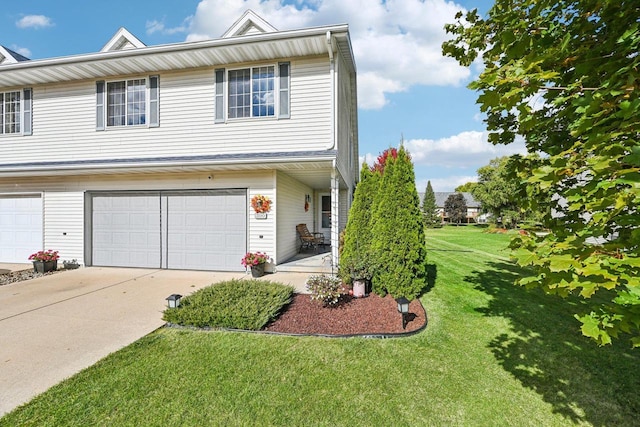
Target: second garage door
[199,230]
[20,227]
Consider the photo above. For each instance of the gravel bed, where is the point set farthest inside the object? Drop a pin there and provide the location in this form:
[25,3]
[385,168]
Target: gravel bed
[19,276]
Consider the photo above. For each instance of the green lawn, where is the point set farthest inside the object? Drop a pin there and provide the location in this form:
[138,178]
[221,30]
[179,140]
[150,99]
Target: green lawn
[492,355]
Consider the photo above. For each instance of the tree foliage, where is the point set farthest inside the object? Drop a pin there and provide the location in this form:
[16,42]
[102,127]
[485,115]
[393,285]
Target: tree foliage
[355,256]
[467,187]
[498,192]
[430,207]
[565,75]
[456,208]
[383,158]
[398,232]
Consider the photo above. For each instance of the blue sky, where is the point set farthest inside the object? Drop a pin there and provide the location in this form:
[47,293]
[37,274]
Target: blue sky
[406,89]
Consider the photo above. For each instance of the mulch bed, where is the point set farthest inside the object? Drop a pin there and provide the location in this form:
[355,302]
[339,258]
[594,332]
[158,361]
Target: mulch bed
[371,315]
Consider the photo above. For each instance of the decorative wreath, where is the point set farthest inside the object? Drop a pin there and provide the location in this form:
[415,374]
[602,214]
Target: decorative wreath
[260,204]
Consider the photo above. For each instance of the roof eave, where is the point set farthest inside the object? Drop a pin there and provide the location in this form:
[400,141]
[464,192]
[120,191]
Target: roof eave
[92,65]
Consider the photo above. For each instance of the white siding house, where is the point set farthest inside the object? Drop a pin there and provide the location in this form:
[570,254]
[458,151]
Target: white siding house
[149,156]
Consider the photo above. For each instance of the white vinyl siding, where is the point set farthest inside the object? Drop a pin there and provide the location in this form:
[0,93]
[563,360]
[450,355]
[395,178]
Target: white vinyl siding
[291,196]
[65,122]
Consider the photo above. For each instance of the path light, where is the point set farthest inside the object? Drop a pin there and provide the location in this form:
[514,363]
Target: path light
[173,300]
[403,308]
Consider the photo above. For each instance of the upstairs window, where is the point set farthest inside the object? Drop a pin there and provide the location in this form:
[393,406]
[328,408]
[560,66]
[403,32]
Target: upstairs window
[15,112]
[126,103]
[253,92]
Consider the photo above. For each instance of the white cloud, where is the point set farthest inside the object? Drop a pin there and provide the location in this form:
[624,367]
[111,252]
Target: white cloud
[396,43]
[21,50]
[464,150]
[34,21]
[448,183]
[369,158]
[156,26]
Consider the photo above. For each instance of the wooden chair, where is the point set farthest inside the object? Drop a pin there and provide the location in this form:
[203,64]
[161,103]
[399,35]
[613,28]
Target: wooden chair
[308,239]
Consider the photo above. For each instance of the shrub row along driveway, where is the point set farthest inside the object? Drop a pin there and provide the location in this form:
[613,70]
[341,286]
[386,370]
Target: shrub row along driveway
[52,327]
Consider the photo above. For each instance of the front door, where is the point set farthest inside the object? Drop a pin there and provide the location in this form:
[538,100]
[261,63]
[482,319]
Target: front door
[325,216]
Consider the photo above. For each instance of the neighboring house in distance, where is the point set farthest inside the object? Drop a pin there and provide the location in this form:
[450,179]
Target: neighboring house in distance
[473,206]
[149,156]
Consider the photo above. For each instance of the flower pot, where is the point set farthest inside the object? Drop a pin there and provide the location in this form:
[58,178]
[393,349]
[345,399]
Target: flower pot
[45,266]
[257,270]
[359,288]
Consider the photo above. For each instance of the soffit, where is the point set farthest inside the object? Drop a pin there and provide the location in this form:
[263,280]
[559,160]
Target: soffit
[209,53]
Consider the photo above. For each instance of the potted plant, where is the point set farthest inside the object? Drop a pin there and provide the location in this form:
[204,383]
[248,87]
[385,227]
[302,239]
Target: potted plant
[71,265]
[45,261]
[255,260]
[360,272]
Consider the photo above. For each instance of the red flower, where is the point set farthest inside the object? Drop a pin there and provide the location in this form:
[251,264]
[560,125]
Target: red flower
[45,256]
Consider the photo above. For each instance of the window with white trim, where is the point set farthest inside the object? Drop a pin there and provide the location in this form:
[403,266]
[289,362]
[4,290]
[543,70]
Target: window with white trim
[261,91]
[131,102]
[15,112]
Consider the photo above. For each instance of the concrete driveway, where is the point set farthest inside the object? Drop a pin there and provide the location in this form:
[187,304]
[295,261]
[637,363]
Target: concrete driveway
[54,326]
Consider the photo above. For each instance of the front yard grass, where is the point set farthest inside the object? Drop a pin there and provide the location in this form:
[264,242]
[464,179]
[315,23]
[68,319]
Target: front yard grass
[493,354]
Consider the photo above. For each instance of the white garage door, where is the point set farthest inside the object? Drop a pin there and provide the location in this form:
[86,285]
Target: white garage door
[20,227]
[126,230]
[199,230]
[206,231]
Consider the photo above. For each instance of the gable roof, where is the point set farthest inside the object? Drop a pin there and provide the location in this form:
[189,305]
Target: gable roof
[7,56]
[122,40]
[249,23]
[442,197]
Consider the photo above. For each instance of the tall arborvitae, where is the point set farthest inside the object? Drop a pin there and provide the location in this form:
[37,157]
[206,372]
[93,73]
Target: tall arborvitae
[430,208]
[355,258]
[398,244]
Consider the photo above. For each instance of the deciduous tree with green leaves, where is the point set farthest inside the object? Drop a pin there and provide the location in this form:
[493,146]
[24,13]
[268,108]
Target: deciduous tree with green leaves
[497,191]
[565,75]
[467,187]
[398,241]
[430,207]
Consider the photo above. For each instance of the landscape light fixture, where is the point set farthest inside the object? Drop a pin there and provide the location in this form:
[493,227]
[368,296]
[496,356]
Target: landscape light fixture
[173,300]
[403,308]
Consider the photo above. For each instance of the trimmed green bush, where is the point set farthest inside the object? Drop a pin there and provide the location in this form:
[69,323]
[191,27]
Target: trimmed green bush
[238,304]
[398,243]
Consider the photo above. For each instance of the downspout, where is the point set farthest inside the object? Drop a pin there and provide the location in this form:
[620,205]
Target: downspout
[332,74]
[335,191]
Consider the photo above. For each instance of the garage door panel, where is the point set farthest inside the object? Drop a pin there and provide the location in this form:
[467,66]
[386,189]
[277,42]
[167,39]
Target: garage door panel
[204,224]
[126,230]
[20,227]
